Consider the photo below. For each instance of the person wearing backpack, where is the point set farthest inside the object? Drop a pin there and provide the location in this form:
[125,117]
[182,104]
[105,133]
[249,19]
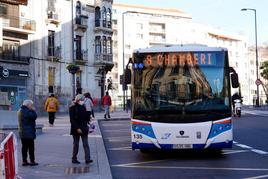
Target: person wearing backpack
[51,106]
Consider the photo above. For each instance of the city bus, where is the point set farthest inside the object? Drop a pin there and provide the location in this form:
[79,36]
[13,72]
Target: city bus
[181,98]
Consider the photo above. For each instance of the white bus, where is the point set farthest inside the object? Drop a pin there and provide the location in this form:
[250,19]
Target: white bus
[181,98]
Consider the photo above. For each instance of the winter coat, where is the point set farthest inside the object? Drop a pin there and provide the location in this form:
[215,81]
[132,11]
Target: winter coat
[26,120]
[79,119]
[51,104]
[106,100]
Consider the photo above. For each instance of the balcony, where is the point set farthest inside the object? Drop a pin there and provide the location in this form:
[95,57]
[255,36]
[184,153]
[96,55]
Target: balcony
[54,54]
[9,57]
[105,60]
[53,18]
[18,25]
[80,57]
[107,26]
[81,23]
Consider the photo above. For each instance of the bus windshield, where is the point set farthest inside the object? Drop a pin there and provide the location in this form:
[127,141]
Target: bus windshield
[181,87]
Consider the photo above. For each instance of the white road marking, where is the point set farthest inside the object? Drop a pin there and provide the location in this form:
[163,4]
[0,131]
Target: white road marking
[257,177]
[234,151]
[121,148]
[251,148]
[138,163]
[190,168]
[259,151]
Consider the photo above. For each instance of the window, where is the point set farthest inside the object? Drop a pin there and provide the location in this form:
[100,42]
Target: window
[109,45]
[97,45]
[139,26]
[78,44]
[97,16]
[104,45]
[51,43]
[10,50]
[139,36]
[104,15]
[3,9]
[109,18]
[78,12]
[51,5]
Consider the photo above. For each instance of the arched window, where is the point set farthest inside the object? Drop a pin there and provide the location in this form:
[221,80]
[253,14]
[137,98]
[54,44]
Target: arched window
[78,12]
[97,45]
[97,16]
[109,45]
[109,18]
[104,45]
[104,16]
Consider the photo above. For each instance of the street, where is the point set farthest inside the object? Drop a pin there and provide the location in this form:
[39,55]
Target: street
[247,159]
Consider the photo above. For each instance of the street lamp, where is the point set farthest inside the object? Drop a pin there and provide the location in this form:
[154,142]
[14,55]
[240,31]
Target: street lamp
[257,63]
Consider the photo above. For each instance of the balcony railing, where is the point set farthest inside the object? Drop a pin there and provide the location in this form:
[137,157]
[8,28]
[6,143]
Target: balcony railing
[19,23]
[80,56]
[13,58]
[54,53]
[104,58]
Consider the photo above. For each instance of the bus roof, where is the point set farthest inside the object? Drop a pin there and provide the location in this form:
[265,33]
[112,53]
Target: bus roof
[179,48]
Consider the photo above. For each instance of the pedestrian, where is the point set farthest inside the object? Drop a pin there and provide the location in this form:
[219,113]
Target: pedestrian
[51,106]
[89,105]
[107,102]
[79,128]
[27,132]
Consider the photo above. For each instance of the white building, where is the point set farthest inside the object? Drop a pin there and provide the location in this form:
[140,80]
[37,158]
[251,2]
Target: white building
[146,26]
[66,32]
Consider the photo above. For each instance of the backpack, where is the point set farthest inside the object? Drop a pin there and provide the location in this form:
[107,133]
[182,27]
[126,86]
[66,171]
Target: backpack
[51,104]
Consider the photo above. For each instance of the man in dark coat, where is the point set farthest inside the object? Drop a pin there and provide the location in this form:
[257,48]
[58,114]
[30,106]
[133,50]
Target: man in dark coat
[27,131]
[79,128]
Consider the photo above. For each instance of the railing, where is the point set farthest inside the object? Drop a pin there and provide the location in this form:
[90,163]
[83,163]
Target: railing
[52,15]
[20,23]
[54,52]
[8,157]
[103,58]
[81,21]
[80,55]
[11,57]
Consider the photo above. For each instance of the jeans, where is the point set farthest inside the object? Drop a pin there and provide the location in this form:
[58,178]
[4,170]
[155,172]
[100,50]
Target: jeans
[27,146]
[76,147]
[107,111]
[51,117]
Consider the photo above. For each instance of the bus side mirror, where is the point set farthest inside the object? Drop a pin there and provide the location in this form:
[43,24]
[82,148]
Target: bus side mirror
[127,76]
[234,80]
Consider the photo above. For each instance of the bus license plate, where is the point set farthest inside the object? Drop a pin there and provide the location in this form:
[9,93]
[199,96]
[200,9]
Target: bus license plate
[182,146]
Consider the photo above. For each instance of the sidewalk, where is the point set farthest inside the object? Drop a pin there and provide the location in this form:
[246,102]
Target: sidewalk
[53,150]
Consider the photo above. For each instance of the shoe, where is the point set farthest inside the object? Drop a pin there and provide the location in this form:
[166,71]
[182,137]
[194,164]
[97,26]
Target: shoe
[51,125]
[25,163]
[109,116]
[89,161]
[33,164]
[75,161]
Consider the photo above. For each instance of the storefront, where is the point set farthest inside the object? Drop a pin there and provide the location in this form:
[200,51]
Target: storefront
[12,88]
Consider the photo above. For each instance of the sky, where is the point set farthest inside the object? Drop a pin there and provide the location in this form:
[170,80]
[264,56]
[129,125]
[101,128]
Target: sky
[223,14]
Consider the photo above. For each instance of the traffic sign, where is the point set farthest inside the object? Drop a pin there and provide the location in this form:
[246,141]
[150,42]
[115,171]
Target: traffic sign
[258,82]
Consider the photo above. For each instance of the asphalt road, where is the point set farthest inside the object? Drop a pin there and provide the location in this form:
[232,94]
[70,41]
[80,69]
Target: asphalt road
[247,159]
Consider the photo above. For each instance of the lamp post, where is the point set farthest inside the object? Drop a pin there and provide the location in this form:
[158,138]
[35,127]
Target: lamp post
[257,62]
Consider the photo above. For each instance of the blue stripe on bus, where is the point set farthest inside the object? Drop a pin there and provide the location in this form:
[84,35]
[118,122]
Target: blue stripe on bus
[170,146]
[217,129]
[144,129]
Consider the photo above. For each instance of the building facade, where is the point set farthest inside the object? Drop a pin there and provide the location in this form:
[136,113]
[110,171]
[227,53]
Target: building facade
[140,27]
[66,32]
